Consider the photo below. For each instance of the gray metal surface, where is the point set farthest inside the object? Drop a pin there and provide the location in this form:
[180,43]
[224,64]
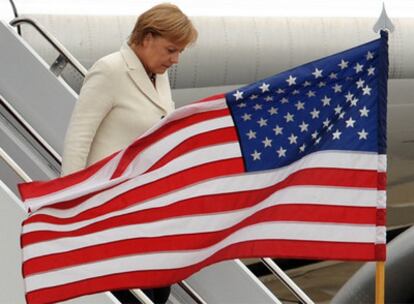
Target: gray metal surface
[233,50]
[38,104]
[45,101]
[268,45]
[399,271]
[230,282]
[16,142]
[11,282]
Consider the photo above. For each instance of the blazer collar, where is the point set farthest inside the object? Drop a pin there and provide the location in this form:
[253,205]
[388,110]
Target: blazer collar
[140,77]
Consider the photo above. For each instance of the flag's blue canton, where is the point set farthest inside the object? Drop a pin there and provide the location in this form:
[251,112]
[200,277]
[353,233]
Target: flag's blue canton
[328,104]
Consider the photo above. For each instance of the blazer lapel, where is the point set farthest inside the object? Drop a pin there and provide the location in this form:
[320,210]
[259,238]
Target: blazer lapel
[139,76]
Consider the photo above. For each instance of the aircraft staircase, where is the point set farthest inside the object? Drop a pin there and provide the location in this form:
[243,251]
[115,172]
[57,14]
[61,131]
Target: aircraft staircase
[35,107]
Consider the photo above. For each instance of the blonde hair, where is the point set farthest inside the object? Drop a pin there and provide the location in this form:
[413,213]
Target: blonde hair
[165,20]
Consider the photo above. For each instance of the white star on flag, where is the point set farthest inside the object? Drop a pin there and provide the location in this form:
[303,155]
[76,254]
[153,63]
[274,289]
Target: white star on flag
[336,134]
[272,111]
[350,122]
[300,105]
[251,134]
[281,152]
[333,75]
[315,113]
[267,142]
[317,73]
[358,67]
[366,90]
[364,112]
[291,80]
[349,96]
[293,139]
[262,122]
[354,102]
[343,64]
[264,87]
[370,55]
[326,101]
[238,95]
[278,130]
[337,88]
[289,117]
[338,109]
[256,155]
[363,134]
[303,127]
[371,70]
[360,83]
[247,117]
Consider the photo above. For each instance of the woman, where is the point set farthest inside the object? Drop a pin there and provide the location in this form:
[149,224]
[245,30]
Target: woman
[127,92]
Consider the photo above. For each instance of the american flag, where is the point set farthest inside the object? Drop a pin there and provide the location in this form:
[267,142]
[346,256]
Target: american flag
[292,166]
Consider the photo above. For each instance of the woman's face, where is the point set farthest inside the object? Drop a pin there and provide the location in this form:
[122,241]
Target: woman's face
[158,54]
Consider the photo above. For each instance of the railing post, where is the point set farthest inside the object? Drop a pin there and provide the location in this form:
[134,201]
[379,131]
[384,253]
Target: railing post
[299,294]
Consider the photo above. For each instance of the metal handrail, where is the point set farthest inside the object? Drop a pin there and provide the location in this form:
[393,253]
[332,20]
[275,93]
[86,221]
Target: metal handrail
[53,41]
[30,129]
[14,166]
[283,277]
[24,176]
[191,292]
[78,66]
[75,63]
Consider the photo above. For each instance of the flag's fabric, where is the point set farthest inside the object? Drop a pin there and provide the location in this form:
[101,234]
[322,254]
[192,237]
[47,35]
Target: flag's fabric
[292,166]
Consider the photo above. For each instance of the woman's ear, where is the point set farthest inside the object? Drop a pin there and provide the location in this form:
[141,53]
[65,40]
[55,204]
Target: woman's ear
[147,39]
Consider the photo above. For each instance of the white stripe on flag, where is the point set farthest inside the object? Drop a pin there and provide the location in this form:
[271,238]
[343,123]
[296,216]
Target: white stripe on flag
[325,159]
[143,162]
[203,223]
[189,160]
[188,110]
[172,260]
[99,180]
[148,157]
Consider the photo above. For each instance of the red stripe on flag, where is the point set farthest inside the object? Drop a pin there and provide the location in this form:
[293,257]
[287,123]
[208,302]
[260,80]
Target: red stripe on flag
[135,148]
[40,188]
[319,176]
[382,181]
[213,98]
[299,213]
[215,137]
[208,138]
[164,185]
[158,278]
[202,205]
[381,217]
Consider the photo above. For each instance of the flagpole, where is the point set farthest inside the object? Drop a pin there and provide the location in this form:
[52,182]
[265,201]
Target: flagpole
[383,23]
[379,283]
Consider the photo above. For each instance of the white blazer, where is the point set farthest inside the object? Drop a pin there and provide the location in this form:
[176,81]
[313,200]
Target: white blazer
[117,103]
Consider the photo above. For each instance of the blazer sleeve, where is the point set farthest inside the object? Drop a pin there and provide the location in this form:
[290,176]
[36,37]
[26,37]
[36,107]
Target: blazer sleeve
[94,103]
